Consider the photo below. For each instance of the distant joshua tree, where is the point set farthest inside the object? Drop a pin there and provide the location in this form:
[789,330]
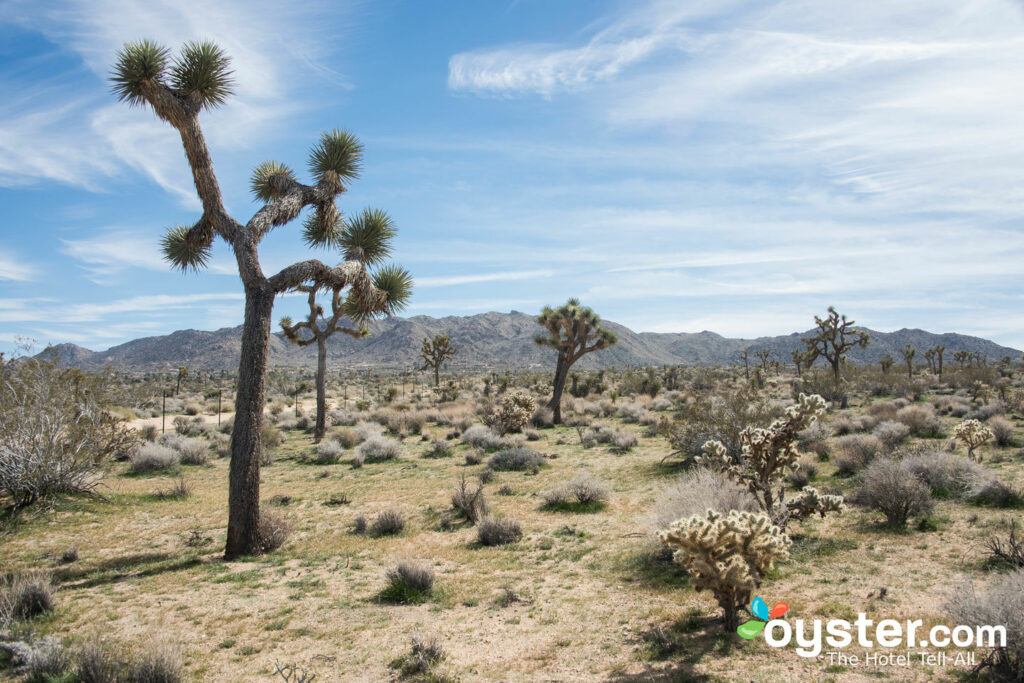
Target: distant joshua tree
[573,331]
[178,90]
[833,338]
[938,350]
[886,364]
[798,360]
[745,355]
[435,352]
[764,355]
[182,374]
[310,331]
[908,358]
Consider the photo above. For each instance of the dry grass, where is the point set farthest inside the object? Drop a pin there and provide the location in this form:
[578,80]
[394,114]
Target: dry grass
[314,602]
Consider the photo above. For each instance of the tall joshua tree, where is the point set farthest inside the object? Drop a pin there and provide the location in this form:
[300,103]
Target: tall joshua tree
[182,374]
[573,331]
[178,89]
[938,350]
[371,224]
[834,336]
[908,358]
[435,352]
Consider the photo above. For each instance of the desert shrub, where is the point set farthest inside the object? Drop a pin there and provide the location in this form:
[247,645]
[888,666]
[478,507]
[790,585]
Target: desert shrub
[227,426]
[159,662]
[150,433]
[584,491]
[891,433]
[273,530]
[469,502]
[623,441]
[480,436]
[408,583]
[426,652]
[728,555]
[633,412]
[516,460]
[474,457]
[715,418]
[357,460]
[842,425]
[368,430]
[388,523]
[695,492]
[346,437]
[921,419]
[222,445]
[891,487]
[1008,553]
[179,490]
[193,451]
[56,438]
[380,448]
[98,662]
[883,410]
[41,661]
[1001,603]
[542,418]
[1002,431]
[988,410]
[946,475]
[498,531]
[439,448]
[26,596]
[661,404]
[328,452]
[990,492]
[512,413]
[854,451]
[152,457]
[271,437]
[531,434]
[359,525]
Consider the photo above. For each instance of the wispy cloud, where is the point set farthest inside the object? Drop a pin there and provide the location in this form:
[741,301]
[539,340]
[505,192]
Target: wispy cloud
[510,276]
[12,268]
[107,254]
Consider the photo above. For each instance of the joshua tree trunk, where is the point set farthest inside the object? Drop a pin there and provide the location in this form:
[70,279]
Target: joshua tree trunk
[437,377]
[555,404]
[321,388]
[246,437]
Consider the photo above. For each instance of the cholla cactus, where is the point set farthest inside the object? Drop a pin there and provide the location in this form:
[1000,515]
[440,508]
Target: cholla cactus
[512,414]
[767,456]
[973,434]
[727,555]
[810,502]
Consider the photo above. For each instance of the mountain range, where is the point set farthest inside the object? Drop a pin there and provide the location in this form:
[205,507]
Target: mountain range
[489,340]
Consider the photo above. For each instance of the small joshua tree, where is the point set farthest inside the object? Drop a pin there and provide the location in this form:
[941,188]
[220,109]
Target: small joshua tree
[973,434]
[728,555]
[767,457]
[833,338]
[908,358]
[764,355]
[745,356]
[512,414]
[435,352]
[178,90]
[886,364]
[182,374]
[573,331]
[798,360]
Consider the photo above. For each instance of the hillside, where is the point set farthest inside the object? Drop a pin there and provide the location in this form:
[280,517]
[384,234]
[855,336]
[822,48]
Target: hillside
[496,340]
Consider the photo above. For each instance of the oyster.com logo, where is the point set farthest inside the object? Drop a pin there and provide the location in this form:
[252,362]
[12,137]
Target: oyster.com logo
[763,615]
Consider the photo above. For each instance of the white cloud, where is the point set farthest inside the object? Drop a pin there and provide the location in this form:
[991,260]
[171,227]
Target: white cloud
[510,276]
[107,254]
[13,268]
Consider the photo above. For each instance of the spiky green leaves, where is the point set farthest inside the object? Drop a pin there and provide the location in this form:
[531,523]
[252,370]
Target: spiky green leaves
[323,227]
[270,180]
[336,158]
[203,72]
[367,237]
[137,63]
[396,284]
[184,251]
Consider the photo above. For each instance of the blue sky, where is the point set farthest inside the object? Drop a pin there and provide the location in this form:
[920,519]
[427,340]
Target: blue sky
[679,166]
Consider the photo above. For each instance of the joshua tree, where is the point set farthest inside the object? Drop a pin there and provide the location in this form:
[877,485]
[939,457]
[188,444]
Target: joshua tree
[573,331]
[886,364]
[745,355]
[178,90]
[764,355]
[182,374]
[798,360]
[833,338]
[938,350]
[310,331]
[908,358]
[435,352]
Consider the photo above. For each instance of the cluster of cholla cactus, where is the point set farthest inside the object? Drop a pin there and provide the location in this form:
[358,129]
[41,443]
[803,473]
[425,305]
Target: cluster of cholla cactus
[728,555]
[973,434]
[511,414]
[768,456]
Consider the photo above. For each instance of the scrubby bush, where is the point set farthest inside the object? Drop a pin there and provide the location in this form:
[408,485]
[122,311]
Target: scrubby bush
[695,492]
[715,418]
[1002,603]
[516,460]
[271,437]
[891,487]
[388,523]
[408,582]
[946,475]
[542,418]
[56,438]
[328,452]
[480,436]
[855,451]
[469,502]
[439,448]
[26,596]
[368,430]
[346,437]
[152,457]
[891,433]
[193,451]
[41,661]
[273,529]
[634,412]
[1002,431]
[498,531]
[728,555]
[921,419]
[584,491]
[623,441]
[380,448]
[426,652]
